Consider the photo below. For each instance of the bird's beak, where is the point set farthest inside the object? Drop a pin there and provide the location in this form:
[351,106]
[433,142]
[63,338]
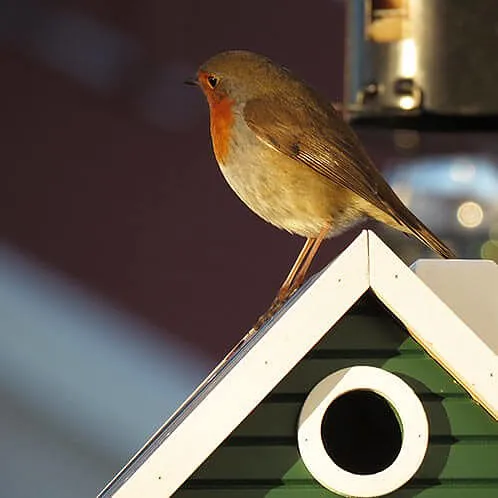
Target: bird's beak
[192,82]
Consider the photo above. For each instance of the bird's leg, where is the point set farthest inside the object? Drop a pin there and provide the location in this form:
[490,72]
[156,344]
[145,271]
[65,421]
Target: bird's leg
[298,279]
[284,291]
[296,276]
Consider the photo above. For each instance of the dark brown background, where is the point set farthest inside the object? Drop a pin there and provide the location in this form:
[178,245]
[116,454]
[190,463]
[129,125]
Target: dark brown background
[115,184]
[138,212]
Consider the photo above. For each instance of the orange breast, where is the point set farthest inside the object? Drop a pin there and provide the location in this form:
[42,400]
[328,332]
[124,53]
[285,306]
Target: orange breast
[221,126]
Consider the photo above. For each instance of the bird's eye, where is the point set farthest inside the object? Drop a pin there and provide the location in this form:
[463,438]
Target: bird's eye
[212,81]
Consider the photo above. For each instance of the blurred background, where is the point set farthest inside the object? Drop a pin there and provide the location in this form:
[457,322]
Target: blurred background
[128,268]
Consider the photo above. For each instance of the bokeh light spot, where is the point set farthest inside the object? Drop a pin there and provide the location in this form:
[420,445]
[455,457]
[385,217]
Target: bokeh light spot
[470,214]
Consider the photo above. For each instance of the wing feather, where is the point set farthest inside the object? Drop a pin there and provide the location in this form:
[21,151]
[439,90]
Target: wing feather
[318,137]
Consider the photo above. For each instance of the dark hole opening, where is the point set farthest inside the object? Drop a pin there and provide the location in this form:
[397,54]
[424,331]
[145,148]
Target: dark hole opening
[361,432]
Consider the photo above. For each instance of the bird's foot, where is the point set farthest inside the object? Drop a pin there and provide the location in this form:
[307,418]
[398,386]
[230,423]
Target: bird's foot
[275,306]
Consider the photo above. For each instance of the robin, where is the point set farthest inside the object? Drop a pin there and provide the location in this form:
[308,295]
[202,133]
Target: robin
[293,160]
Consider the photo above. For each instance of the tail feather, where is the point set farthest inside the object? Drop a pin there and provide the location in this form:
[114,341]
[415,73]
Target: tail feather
[407,222]
[422,233]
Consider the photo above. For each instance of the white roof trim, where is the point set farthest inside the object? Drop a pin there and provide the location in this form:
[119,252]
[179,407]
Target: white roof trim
[435,326]
[174,453]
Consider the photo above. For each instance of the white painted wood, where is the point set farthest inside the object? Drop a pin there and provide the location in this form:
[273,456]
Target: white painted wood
[435,326]
[469,288]
[409,411]
[294,333]
[276,349]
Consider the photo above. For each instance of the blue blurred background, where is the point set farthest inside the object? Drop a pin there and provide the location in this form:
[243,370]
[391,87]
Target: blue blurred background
[127,266]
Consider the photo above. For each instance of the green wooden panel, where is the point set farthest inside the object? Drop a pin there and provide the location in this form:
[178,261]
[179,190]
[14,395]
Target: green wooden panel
[361,333]
[261,492]
[260,458]
[469,460]
[454,490]
[460,417]
[465,459]
[420,371]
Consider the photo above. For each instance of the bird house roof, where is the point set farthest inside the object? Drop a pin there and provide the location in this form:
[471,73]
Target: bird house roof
[262,359]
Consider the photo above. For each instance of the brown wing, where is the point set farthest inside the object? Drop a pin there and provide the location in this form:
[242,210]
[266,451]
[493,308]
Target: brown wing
[319,138]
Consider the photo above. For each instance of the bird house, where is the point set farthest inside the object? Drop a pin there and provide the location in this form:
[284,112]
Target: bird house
[375,379]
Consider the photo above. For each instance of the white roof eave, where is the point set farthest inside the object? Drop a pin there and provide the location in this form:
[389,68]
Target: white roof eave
[243,379]
[435,326]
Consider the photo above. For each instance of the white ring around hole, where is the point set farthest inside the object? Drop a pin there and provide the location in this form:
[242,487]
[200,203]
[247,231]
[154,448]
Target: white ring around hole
[411,416]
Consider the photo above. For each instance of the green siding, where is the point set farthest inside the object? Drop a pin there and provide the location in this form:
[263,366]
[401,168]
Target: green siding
[261,459]
[418,370]
[316,491]
[463,459]
[279,419]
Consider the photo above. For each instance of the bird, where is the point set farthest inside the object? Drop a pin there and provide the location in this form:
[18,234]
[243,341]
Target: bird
[293,160]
